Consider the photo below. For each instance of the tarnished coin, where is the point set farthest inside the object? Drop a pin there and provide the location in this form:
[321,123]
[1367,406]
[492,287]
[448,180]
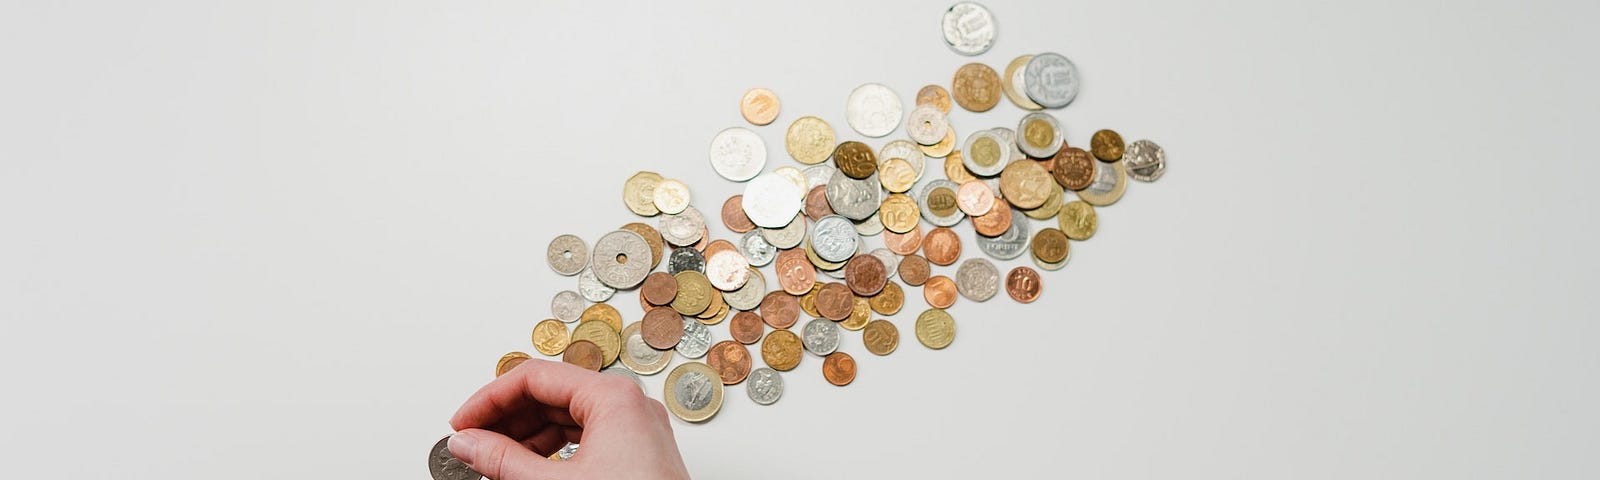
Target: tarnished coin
[731,361]
[650,236]
[728,270]
[942,246]
[738,154]
[1050,80]
[821,336]
[835,239]
[696,339]
[780,310]
[937,202]
[1039,135]
[939,291]
[976,87]
[638,355]
[603,334]
[1026,184]
[621,259]
[694,293]
[880,337]
[759,106]
[765,387]
[659,288]
[936,96]
[567,305]
[809,140]
[567,254]
[996,222]
[1013,81]
[1078,220]
[1074,169]
[865,275]
[590,287]
[788,236]
[935,328]
[926,125]
[969,28]
[661,328]
[855,199]
[1050,246]
[445,466]
[795,272]
[834,301]
[855,159]
[839,368]
[1022,284]
[977,279]
[771,201]
[889,300]
[693,392]
[1010,244]
[550,337]
[1110,182]
[816,203]
[860,314]
[508,362]
[639,193]
[685,259]
[914,270]
[684,227]
[749,296]
[903,149]
[1106,145]
[781,350]
[733,215]
[1052,204]
[746,327]
[899,213]
[671,196]
[584,354]
[985,153]
[873,110]
[1145,160]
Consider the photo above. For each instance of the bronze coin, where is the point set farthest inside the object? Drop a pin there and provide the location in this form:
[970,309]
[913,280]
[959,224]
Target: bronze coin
[746,327]
[651,237]
[705,239]
[808,301]
[780,310]
[880,337]
[914,270]
[817,203]
[942,246]
[976,87]
[795,271]
[888,301]
[731,361]
[940,291]
[1106,145]
[781,350]
[855,159]
[996,222]
[1022,284]
[839,368]
[1074,168]
[659,288]
[834,301]
[865,275]
[585,354]
[717,246]
[508,362]
[934,95]
[1050,245]
[903,243]
[661,328]
[733,215]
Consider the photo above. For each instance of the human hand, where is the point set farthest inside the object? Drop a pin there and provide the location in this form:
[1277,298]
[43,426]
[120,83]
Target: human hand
[507,429]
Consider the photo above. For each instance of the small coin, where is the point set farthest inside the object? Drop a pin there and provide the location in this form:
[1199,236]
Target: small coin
[899,213]
[671,196]
[759,106]
[821,336]
[944,147]
[765,386]
[602,312]
[996,222]
[738,154]
[914,270]
[969,28]
[866,275]
[659,288]
[839,368]
[855,159]
[1110,182]
[591,289]
[1078,220]
[694,293]
[977,279]
[955,168]
[685,260]
[889,300]
[1051,80]
[809,140]
[1040,135]
[756,249]
[733,215]
[1145,160]
[788,236]
[942,246]
[1026,185]
[1013,81]
[781,350]
[771,200]
[780,310]
[1008,245]
[585,354]
[727,269]
[890,260]
[795,272]
[1074,169]
[550,337]
[976,87]
[639,356]
[696,339]
[985,153]
[567,254]
[748,297]
[638,193]
[903,243]
[746,327]
[935,96]
[1050,246]
[926,125]
[567,305]
[661,329]
[693,392]
[684,227]
[652,237]
[621,259]
[935,328]
[508,362]
[1022,284]
[939,291]
[873,110]
[731,361]
[834,301]
[880,337]
[896,175]
[852,198]
[442,465]
[975,198]
[834,239]
[1106,145]
[860,314]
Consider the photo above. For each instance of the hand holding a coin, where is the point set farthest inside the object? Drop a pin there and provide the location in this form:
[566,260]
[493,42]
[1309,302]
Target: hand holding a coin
[506,429]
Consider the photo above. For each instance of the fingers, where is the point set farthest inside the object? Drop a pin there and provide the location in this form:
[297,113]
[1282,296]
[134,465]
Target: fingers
[501,458]
[536,381]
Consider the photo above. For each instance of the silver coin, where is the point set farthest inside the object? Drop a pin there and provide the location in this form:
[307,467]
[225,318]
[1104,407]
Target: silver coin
[727,270]
[771,200]
[928,214]
[684,259]
[1010,137]
[818,175]
[1010,244]
[852,198]
[873,110]
[696,340]
[566,452]
[1051,80]
[1052,266]
[1107,186]
[980,139]
[1054,142]
[906,150]
[836,274]
[756,249]
[891,261]
[1145,160]
[977,279]
[624,372]
[567,306]
[592,289]
[567,254]
[738,154]
[926,125]
[444,466]
[749,296]
[969,28]
[869,226]
[638,356]
[820,336]
[834,238]
[764,386]
[621,259]
[788,236]
[683,228]
[694,390]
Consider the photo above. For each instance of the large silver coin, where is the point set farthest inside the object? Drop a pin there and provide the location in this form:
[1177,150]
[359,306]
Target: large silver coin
[764,386]
[756,249]
[621,259]
[990,147]
[852,198]
[638,356]
[567,254]
[906,150]
[567,306]
[771,200]
[444,466]
[835,239]
[788,236]
[1145,160]
[696,339]
[926,125]
[820,336]
[1011,244]
[977,279]
[683,228]
[749,296]
[1043,125]
[929,212]
[873,110]
[738,154]
[968,28]
[694,390]
[592,289]
[1051,80]
[685,259]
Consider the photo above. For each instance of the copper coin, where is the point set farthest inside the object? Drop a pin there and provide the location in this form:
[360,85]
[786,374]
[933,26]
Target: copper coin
[1074,168]
[940,291]
[880,337]
[659,288]
[733,215]
[661,328]
[974,198]
[795,271]
[976,87]
[716,246]
[651,237]
[934,95]
[746,327]
[996,222]
[834,301]
[1050,245]
[780,310]
[1022,284]
[914,270]
[1106,145]
[583,353]
[759,106]
[839,368]
[865,275]
[888,301]
[731,361]
[855,159]
[817,203]
[942,246]
[781,350]
[903,243]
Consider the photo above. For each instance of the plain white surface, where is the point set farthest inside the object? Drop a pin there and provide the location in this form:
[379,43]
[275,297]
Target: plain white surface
[286,239]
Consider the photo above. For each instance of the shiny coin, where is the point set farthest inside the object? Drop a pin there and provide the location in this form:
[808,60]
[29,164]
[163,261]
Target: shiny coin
[1022,284]
[911,152]
[765,387]
[748,297]
[759,106]
[926,125]
[937,202]
[693,392]
[1040,135]
[895,174]
[661,328]
[638,193]
[1074,169]
[566,452]
[652,237]
[835,239]
[780,310]
[817,175]
[899,213]
[985,153]
[591,289]
[638,355]
[935,96]
[731,361]
[996,222]
[1013,82]
[793,175]
[873,110]
[969,28]
[694,293]
[860,314]
[621,259]
[943,148]
[939,291]
[1050,80]
[1106,145]
[746,327]
[821,336]
[1050,246]
[567,305]
[685,260]
[865,275]
[738,154]
[787,237]
[855,159]
[976,87]
[567,254]
[604,335]
[728,270]
[1051,266]
[1025,184]
[508,362]
[733,215]
[834,301]
[585,354]
[942,246]
[855,199]
[955,169]
[889,300]
[696,340]
[1145,161]
[977,279]
[795,272]
[1052,204]
[935,328]
[772,201]
[975,198]
[603,312]
[1008,245]
[671,196]
[869,226]
[550,337]
[808,301]
[839,368]
[781,350]
[1078,220]
[809,140]
[1110,182]
[445,466]
[684,227]
[914,270]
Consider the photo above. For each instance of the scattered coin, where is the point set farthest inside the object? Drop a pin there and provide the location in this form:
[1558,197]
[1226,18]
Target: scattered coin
[733,215]
[896,175]
[939,203]
[821,337]
[748,297]
[696,340]
[955,168]
[1106,145]
[968,28]
[795,272]
[873,110]
[550,337]
[738,154]
[639,356]
[1074,168]
[567,305]
[935,96]
[975,198]
[684,227]
[567,254]
[694,293]
[939,291]
[445,466]
[1022,284]
[746,327]
[1050,246]
[985,153]
[759,106]
[977,279]
[771,201]
[1007,245]
[852,198]
[1078,220]
[855,159]
[809,140]
[903,243]
[508,362]
[727,269]
[659,288]
[756,249]
[585,354]
[1026,185]
[788,236]
[834,301]
[910,152]
[591,289]
[1040,135]
[731,361]
[604,335]
[1110,181]
[860,314]
[880,337]
[765,386]
[943,147]
[780,310]
[1051,80]
[638,193]
[1013,80]
[839,368]
[650,236]
[816,203]
[1145,161]
[994,223]
[693,392]
[865,275]
[661,329]
[942,247]
[835,239]
[621,259]
[935,329]
[685,260]
[914,270]
[976,87]
[926,125]
[671,196]
[889,300]
[781,350]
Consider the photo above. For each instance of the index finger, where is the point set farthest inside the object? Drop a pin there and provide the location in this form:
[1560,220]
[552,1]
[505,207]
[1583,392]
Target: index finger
[549,383]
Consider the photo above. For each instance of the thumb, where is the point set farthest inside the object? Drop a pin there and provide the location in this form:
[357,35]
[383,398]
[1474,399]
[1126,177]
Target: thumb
[500,458]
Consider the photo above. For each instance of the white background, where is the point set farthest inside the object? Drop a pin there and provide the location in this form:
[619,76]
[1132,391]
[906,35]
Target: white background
[286,239]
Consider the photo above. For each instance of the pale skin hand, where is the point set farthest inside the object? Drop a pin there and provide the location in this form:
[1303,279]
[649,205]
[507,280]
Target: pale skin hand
[509,427]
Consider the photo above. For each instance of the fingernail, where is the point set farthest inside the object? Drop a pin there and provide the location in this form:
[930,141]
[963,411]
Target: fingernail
[461,445]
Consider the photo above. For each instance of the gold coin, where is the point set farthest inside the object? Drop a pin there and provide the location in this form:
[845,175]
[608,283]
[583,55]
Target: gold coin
[1106,145]
[976,87]
[639,193]
[1110,182]
[809,140]
[899,213]
[897,175]
[944,147]
[1050,246]
[881,337]
[942,202]
[955,170]
[716,312]
[808,300]
[986,152]
[693,392]
[855,159]
[1078,220]
[1009,83]
[935,328]
[603,312]
[508,362]
[1025,184]
[1039,134]
[550,337]
[603,336]
[781,350]
[934,95]
[1051,205]
[860,314]
[759,106]
[889,300]
[694,293]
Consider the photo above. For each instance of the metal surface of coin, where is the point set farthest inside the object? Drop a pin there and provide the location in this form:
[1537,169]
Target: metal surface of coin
[772,201]
[728,270]
[896,175]
[855,199]
[638,193]
[602,312]
[685,259]
[591,289]
[943,148]
[604,335]
[621,259]
[779,310]
[869,226]
[977,279]
[1026,184]
[550,337]
[942,246]
[865,275]
[738,154]
[445,466]
[1050,246]
[1022,284]
[1110,182]
[509,361]
[860,314]
[1052,204]
[821,337]
[809,140]
[888,301]
[566,452]
[693,392]
[1013,81]
[652,237]
[1039,135]
[661,328]
[781,350]
[976,87]
[638,356]
[855,159]
[795,272]
[1050,80]
[759,106]
[899,213]
[567,254]
[659,288]
[748,297]
[731,361]
[733,215]
[816,203]
[567,305]
[936,96]
[788,236]
[1009,138]
[880,337]
[873,110]
[975,198]
[985,153]
[935,328]
[694,293]
[955,168]
[1052,266]
[818,175]
[994,223]
[696,340]
[1008,245]
[1074,169]
[1106,145]
[684,227]
[793,175]
[939,291]
[969,28]
[1145,161]
[834,301]
[1078,220]
[671,196]
[936,201]
[765,387]
[746,327]
[834,238]
[585,354]
[926,125]
[914,270]
[905,150]
[890,260]
[756,249]
[839,368]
